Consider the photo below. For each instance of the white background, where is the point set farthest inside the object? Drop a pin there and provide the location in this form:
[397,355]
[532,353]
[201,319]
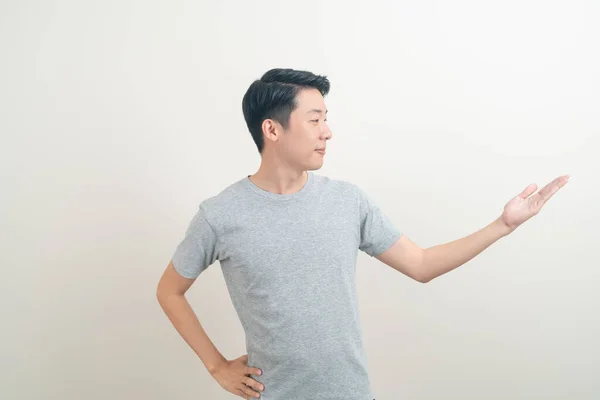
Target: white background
[119,117]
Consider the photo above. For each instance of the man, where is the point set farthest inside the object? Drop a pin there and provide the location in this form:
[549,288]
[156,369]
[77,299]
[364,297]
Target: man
[287,241]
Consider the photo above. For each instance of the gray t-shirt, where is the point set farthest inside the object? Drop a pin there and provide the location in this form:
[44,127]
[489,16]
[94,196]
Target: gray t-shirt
[289,264]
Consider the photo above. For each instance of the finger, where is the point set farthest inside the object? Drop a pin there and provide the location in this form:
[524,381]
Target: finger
[547,194]
[250,392]
[254,384]
[253,371]
[551,188]
[528,191]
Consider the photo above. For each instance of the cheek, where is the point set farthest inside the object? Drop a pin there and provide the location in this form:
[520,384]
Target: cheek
[302,141]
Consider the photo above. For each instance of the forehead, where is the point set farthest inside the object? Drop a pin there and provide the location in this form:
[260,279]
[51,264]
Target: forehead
[309,99]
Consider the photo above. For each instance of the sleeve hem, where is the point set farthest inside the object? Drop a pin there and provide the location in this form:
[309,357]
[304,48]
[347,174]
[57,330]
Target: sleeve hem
[182,271]
[376,251]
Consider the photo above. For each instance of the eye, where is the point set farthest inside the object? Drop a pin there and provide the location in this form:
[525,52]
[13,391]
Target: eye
[314,120]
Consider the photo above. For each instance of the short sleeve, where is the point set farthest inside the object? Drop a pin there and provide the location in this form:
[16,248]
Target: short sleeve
[198,249]
[377,231]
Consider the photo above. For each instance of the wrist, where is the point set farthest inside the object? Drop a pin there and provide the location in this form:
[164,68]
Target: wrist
[502,228]
[214,367]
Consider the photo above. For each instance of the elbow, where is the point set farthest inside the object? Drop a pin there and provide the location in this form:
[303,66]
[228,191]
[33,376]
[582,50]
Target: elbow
[160,293]
[421,270]
[420,277]
[160,287]
[163,292]
[164,297]
[422,274]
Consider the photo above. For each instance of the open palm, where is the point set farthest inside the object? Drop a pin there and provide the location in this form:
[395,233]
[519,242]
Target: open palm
[525,206]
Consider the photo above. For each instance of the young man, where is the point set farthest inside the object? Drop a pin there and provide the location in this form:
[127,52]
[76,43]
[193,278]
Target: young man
[287,241]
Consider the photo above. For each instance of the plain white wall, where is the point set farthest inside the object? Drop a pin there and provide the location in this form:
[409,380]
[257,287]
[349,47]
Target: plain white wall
[119,117]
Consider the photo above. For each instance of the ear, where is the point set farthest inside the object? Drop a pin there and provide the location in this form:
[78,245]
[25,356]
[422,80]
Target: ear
[272,130]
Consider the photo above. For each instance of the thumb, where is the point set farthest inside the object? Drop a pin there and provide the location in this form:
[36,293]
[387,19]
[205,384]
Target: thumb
[528,191]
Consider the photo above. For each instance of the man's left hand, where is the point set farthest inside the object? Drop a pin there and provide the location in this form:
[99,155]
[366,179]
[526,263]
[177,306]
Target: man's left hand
[525,206]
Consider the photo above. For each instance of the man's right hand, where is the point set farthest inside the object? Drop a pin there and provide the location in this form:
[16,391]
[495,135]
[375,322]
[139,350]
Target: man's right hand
[232,375]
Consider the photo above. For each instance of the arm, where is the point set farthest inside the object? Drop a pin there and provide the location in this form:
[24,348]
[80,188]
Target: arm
[171,297]
[443,258]
[424,265]
[232,375]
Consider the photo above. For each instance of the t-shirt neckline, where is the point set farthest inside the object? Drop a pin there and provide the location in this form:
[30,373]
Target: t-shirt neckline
[278,196]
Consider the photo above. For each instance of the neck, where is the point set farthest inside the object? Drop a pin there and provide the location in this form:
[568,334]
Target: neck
[278,178]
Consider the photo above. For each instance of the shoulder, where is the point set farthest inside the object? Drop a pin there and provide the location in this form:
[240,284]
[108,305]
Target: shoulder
[339,186]
[224,203]
[349,190]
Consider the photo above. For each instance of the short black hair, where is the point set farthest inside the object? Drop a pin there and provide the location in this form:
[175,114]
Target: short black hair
[273,96]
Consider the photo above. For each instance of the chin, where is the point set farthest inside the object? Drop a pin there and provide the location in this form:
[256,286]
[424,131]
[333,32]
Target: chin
[314,167]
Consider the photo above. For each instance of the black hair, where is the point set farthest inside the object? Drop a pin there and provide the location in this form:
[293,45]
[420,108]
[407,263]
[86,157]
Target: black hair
[273,96]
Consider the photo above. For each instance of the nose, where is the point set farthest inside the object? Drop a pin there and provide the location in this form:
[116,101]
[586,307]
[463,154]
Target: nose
[326,132]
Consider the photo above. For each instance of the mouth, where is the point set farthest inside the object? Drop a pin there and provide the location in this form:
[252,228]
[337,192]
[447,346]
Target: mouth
[320,151]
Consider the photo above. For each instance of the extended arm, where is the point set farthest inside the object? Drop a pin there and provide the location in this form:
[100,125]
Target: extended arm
[424,265]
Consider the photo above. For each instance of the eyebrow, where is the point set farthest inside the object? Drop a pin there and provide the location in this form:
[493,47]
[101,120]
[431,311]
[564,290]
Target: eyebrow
[317,110]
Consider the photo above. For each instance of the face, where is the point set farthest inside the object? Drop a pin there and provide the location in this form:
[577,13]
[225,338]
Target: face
[306,134]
